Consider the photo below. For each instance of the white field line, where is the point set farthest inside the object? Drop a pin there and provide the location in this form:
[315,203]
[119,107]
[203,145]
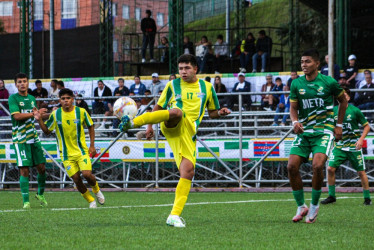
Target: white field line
[157,205]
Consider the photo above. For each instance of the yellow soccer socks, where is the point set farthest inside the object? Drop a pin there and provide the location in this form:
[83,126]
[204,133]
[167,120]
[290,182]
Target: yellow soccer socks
[88,197]
[95,188]
[151,118]
[181,195]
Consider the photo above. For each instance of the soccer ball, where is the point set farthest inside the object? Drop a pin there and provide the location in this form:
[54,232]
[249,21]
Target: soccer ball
[125,106]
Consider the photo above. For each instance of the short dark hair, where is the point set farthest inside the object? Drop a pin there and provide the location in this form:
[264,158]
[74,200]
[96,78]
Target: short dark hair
[55,81]
[121,79]
[136,76]
[20,75]
[313,53]
[66,91]
[208,79]
[61,83]
[262,32]
[38,81]
[149,12]
[204,37]
[220,37]
[278,79]
[367,71]
[100,81]
[347,90]
[147,90]
[188,58]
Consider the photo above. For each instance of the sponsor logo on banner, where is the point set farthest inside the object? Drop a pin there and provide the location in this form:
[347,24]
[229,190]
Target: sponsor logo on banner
[126,150]
[260,148]
[149,150]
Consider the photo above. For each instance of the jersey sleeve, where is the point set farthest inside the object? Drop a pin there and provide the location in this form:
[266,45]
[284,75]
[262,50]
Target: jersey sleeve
[13,105]
[166,96]
[87,118]
[213,103]
[336,89]
[293,92]
[51,122]
[361,118]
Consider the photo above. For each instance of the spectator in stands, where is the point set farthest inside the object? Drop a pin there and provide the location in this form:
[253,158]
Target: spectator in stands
[247,50]
[172,77]
[294,75]
[149,29]
[274,98]
[269,85]
[325,69]
[53,93]
[147,99]
[219,87]
[365,100]
[156,84]
[82,104]
[60,85]
[142,134]
[102,106]
[221,51]
[164,46]
[203,53]
[188,46]
[121,90]
[40,92]
[263,49]
[343,82]
[351,71]
[363,82]
[241,86]
[137,88]
[283,107]
[4,94]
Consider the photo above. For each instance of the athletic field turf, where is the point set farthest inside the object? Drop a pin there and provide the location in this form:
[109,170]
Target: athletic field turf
[214,221]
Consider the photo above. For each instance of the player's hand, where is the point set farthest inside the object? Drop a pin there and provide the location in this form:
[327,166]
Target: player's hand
[149,133]
[298,128]
[338,132]
[92,151]
[359,144]
[224,112]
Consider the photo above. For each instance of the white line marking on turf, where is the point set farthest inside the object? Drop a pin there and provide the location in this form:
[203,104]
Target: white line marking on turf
[159,205]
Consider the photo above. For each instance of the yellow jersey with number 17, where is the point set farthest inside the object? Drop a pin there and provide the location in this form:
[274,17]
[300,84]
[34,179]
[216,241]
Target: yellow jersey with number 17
[70,131]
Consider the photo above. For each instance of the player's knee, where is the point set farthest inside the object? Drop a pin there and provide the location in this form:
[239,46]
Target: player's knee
[87,175]
[292,168]
[331,170]
[175,114]
[361,174]
[317,167]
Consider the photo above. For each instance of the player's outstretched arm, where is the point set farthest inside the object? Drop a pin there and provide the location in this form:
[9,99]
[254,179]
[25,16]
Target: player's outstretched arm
[297,126]
[218,113]
[92,149]
[360,141]
[338,130]
[38,114]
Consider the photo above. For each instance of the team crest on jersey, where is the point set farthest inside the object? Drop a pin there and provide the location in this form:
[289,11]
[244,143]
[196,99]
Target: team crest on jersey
[76,121]
[323,143]
[326,137]
[59,122]
[320,91]
[302,91]
[200,95]
[359,157]
[32,104]
[21,104]
[178,96]
[349,118]
[336,117]
[68,167]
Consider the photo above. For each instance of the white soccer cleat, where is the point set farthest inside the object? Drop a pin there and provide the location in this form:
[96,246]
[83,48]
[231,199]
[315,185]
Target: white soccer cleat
[100,198]
[301,212]
[175,221]
[312,215]
[93,204]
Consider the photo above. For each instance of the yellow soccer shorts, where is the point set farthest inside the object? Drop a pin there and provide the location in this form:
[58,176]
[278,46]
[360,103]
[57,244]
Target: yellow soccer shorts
[181,140]
[76,164]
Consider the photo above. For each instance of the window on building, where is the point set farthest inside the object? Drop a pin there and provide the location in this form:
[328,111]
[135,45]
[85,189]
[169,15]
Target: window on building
[6,8]
[38,15]
[138,14]
[114,9]
[68,14]
[115,46]
[160,19]
[125,12]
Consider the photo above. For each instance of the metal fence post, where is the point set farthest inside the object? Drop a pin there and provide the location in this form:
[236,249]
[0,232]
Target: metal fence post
[157,156]
[240,141]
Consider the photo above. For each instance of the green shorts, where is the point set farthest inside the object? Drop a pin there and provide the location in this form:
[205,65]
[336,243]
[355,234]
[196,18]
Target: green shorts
[29,155]
[303,145]
[338,157]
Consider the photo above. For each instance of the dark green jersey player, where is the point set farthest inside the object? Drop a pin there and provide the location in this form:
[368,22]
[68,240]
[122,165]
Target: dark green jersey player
[349,148]
[25,139]
[311,111]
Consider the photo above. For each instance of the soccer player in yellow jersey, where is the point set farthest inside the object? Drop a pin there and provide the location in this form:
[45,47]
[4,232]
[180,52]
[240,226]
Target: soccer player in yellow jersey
[68,123]
[180,110]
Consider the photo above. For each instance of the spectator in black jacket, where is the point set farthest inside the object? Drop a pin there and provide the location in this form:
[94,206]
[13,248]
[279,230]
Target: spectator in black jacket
[241,86]
[149,29]
[121,90]
[102,106]
[263,48]
[188,46]
[82,104]
[365,100]
[294,75]
[247,50]
[40,92]
[325,69]
[219,87]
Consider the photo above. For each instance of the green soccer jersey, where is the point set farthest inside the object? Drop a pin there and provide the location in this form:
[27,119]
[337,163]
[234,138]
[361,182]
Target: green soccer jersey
[351,127]
[316,103]
[23,131]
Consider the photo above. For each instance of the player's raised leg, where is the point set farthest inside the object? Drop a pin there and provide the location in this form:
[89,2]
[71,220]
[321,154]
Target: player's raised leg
[331,182]
[182,191]
[41,185]
[83,190]
[365,187]
[293,167]
[91,179]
